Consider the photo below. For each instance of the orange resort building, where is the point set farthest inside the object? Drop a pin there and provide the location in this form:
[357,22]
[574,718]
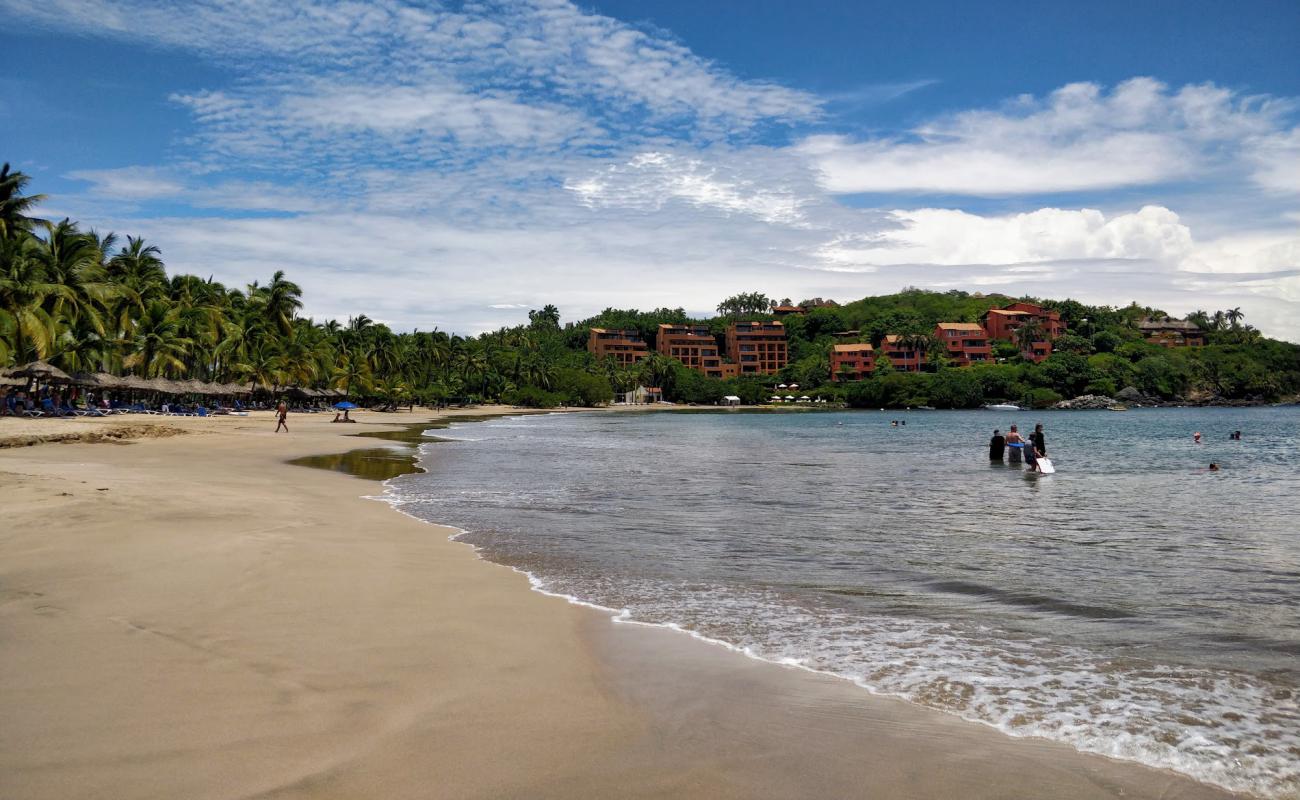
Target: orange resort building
[966,341]
[625,347]
[757,348]
[695,347]
[904,359]
[1172,332]
[852,362]
[1002,324]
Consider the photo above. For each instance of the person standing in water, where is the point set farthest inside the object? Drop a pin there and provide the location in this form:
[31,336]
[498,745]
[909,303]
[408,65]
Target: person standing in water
[1038,440]
[997,445]
[282,414]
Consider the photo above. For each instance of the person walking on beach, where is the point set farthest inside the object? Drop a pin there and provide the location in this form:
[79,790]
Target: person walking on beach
[1038,440]
[997,445]
[282,414]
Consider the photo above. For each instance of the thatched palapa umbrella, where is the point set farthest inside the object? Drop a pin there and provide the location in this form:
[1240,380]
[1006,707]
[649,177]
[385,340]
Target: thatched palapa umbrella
[163,385]
[42,371]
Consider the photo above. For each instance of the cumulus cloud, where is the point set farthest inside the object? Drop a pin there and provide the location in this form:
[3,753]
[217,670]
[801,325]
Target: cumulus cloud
[1081,137]
[949,236]
[1276,161]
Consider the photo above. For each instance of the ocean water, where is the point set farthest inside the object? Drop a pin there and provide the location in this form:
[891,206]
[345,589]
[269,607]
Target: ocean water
[1133,604]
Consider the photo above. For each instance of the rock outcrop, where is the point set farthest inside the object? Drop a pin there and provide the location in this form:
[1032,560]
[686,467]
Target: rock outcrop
[1087,401]
[1130,395]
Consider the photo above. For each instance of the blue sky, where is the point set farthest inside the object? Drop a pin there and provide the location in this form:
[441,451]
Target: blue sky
[456,164]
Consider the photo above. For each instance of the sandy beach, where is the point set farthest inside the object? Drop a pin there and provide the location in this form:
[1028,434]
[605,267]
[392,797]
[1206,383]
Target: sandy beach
[190,616]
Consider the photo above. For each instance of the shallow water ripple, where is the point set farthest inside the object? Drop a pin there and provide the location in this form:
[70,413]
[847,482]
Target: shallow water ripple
[1132,605]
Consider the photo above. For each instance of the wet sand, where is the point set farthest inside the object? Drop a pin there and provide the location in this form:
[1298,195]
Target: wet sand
[193,617]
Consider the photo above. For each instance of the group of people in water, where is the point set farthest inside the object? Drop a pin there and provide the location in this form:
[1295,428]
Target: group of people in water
[1033,448]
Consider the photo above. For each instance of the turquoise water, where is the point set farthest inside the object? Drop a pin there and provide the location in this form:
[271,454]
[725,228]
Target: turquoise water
[1133,604]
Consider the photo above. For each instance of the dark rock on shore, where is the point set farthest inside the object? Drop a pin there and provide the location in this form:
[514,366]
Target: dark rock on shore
[1087,401]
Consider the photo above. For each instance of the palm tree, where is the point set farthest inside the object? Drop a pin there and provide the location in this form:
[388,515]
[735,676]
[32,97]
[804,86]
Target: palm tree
[1234,317]
[14,205]
[919,342]
[157,346]
[283,299]
[1027,335]
[26,296]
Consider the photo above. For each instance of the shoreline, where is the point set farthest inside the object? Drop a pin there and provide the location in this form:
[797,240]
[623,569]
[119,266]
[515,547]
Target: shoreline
[331,648]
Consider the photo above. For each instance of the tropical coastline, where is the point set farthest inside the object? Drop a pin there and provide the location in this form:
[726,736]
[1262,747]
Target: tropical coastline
[293,639]
[551,400]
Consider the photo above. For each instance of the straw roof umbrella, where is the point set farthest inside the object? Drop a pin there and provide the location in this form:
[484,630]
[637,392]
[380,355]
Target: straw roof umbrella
[42,370]
[163,385]
[106,380]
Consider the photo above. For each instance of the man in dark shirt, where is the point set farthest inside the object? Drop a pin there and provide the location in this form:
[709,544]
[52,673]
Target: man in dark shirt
[1039,442]
[997,445]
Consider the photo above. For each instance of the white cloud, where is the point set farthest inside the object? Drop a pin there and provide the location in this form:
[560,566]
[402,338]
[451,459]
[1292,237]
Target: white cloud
[948,236]
[1079,138]
[650,179]
[137,184]
[1276,160]
[130,183]
[530,72]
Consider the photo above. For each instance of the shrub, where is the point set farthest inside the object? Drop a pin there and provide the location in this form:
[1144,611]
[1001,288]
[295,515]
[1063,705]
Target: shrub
[531,397]
[1040,398]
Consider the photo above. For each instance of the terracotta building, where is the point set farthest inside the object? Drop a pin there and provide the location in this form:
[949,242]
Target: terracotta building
[852,362]
[1002,324]
[967,342]
[625,347]
[692,345]
[759,348]
[904,359]
[1172,332]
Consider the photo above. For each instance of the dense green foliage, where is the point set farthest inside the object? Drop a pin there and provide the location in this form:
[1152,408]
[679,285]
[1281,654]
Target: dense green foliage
[88,302]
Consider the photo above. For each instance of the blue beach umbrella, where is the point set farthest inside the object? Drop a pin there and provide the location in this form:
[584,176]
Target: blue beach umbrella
[345,405]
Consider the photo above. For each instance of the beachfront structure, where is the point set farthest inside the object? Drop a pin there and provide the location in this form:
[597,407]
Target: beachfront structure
[693,345]
[903,357]
[1172,332]
[625,347]
[757,348]
[852,362]
[967,342]
[1002,324]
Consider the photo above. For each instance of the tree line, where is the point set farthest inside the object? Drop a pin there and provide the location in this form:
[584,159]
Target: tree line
[91,302]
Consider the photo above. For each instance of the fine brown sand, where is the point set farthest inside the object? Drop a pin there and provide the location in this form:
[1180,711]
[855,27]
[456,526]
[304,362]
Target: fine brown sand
[192,617]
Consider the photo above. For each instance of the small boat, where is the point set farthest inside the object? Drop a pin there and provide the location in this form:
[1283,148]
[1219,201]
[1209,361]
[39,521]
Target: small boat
[1002,407]
[1117,408]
